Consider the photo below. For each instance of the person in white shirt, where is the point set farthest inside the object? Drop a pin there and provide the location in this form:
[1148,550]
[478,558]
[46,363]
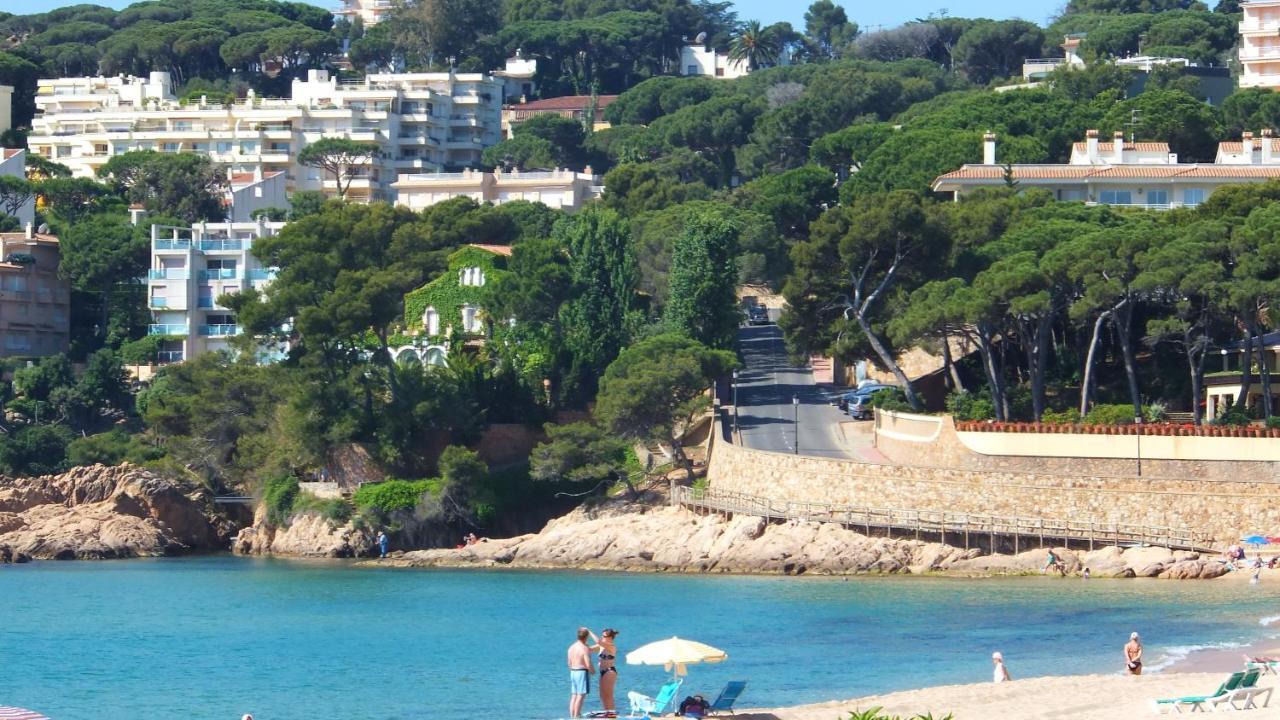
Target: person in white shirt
[1001,673]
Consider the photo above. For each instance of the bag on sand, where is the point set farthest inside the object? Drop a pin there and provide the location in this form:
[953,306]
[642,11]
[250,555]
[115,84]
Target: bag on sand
[694,706]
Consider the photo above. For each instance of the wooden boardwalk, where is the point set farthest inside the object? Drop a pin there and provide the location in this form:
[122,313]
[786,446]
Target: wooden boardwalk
[960,529]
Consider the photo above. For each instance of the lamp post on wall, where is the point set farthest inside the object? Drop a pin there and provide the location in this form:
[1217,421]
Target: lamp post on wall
[795,420]
[735,403]
[1137,421]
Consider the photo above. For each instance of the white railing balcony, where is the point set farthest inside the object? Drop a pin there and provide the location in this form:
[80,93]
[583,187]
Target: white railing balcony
[168,274]
[222,245]
[1260,53]
[171,244]
[219,330]
[1260,26]
[171,329]
[1146,206]
[218,274]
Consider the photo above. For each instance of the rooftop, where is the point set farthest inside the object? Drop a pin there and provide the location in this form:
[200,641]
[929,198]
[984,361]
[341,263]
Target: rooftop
[565,102]
[1110,172]
[503,250]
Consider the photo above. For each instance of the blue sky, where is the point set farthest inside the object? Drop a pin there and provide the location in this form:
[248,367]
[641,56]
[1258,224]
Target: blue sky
[867,15]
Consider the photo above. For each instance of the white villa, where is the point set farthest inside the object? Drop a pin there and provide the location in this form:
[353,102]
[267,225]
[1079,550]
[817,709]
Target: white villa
[559,189]
[422,121]
[1143,174]
[370,12]
[698,59]
[1260,44]
[191,267]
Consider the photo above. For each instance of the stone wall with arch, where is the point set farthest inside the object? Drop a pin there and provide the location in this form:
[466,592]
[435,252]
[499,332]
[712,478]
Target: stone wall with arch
[437,355]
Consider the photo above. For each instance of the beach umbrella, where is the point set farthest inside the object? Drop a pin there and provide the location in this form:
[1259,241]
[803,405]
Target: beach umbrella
[17,713]
[1255,540]
[675,653]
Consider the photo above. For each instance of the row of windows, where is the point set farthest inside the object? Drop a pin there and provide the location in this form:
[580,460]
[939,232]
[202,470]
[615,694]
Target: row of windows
[1190,196]
[470,320]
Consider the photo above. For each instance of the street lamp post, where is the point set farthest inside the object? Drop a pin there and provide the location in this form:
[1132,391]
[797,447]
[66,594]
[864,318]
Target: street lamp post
[735,403]
[795,420]
[1137,421]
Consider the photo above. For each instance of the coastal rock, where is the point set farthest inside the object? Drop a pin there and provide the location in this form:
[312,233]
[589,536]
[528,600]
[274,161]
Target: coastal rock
[306,535]
[1107,562]
[1195,570]
[98,512]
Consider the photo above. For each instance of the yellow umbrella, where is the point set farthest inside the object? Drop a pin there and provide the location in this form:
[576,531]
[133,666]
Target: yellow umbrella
[675,652]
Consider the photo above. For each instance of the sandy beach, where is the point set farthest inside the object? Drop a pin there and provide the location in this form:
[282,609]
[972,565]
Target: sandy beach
[1087,697]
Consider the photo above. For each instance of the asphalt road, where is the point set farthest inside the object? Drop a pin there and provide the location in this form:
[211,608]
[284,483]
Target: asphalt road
[766,386]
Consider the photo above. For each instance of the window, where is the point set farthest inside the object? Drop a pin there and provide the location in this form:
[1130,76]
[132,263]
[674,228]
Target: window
[691,70]
[249,147]
[471,319]
[14,340]
[181,125]
[1192,196]
[1157,197]
[1115,197]
[169,147]
[101,149]
[471,277]
[224,148]
[200,147]
[431,321]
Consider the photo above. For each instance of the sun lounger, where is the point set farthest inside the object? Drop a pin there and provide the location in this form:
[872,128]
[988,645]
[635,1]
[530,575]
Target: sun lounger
[1196,702]
[1265,664]
[728,696]
[645,706]
[1245,696]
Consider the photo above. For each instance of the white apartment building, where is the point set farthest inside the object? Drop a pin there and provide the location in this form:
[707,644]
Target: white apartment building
[6,107]
[422,122]
[698,59]
[191,267]
[1143,174]
[560,189]
[13,163]
[1260,44]
[247,192]
[370,12]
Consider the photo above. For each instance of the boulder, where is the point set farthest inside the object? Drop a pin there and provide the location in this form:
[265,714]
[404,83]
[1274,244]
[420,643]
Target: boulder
[1194,570]
[99,512]
[1106,562]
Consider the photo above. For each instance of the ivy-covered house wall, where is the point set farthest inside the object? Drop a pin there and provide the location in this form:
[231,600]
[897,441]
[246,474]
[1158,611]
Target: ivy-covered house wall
[455,288]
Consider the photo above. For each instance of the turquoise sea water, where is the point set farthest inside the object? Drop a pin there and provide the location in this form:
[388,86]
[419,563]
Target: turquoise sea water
[215,637]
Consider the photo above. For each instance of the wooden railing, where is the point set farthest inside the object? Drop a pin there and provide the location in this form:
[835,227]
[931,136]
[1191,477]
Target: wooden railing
[943,523]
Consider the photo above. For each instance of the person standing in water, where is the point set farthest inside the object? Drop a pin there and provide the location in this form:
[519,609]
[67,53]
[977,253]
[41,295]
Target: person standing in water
[1133,655]
[579,672]
[1001,673]
[608,654]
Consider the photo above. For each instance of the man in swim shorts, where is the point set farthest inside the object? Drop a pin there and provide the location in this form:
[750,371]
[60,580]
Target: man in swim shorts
[580,671]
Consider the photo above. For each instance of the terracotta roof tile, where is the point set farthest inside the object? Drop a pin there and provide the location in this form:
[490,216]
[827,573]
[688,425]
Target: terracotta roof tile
[1238,147]
[1228,171]
[504,250]
[1111,172]
[565,102]
[1137,171]
[38,237]
[1109,147]
[8,153]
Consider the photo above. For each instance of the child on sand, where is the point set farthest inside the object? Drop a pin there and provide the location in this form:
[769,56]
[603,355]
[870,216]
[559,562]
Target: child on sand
[1001,673]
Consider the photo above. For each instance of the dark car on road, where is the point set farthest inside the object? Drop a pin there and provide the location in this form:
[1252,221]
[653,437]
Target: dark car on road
[758,315]
[858,402]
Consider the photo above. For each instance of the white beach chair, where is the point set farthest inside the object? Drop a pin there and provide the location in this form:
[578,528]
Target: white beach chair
[1242,697]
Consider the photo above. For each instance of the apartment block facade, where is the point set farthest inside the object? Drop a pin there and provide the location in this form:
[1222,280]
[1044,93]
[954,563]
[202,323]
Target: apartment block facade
[35,303]
[191,267]
[13,163]
[421,121]
[559,189]
[370,12]
[1142,174]
[1260,44]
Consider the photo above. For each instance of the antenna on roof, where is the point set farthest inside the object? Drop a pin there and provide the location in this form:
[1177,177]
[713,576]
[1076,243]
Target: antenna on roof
[1135,121]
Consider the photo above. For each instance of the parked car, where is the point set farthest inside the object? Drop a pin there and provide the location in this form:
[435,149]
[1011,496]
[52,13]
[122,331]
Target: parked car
[758,315]
[858,404]
[844,400]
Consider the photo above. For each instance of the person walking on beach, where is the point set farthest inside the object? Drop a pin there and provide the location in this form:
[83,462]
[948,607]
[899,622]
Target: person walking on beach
[1133,655]
[1001,673]
[605,645]
[579,672]
[382,544]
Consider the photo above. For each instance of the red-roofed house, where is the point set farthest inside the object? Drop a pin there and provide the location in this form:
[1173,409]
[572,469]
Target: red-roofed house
[1142,174]
[257,190]
[575,107]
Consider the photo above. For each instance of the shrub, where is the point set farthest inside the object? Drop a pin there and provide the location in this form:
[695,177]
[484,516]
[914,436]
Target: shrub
[394,495]
[1273,422]
[1154,413]
[278,495]
[1070,416]
[1110,415]
[891,399]
[964,405]
[1232,416]
[335,510]
[111,448]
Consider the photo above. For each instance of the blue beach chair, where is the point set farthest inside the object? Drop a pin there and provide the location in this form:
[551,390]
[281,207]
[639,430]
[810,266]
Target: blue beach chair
[663,702]
[728,696]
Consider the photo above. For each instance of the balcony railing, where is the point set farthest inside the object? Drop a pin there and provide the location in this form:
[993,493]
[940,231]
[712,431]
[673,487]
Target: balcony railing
[172,329]
[262,274]
[1147,206]
[220,245]
[219,330]
[159,302]
[171,244]
[218,274]
[167,274]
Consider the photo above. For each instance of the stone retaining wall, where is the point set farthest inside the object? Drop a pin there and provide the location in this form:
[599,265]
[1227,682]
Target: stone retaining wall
[1224,508]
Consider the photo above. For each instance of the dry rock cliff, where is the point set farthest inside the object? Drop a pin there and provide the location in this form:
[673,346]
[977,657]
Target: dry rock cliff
[616,536]
[100,512]
[305,535]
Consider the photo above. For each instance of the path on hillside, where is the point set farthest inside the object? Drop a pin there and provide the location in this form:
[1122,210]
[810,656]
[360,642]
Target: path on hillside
[765,388]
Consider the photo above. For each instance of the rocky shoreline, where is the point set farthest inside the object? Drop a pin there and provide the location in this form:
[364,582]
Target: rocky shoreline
[99,512]
[618,536]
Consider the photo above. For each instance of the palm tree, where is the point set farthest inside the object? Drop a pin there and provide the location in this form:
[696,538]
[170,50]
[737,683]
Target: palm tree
[757,46]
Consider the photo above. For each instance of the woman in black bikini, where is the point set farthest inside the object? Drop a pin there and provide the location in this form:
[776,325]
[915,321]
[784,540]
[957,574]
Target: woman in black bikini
[608,668]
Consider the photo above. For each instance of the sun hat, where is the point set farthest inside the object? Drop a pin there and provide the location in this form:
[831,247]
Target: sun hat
[997,656]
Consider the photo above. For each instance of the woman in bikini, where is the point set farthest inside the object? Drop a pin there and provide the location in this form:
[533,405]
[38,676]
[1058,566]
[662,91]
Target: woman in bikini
[608,668]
